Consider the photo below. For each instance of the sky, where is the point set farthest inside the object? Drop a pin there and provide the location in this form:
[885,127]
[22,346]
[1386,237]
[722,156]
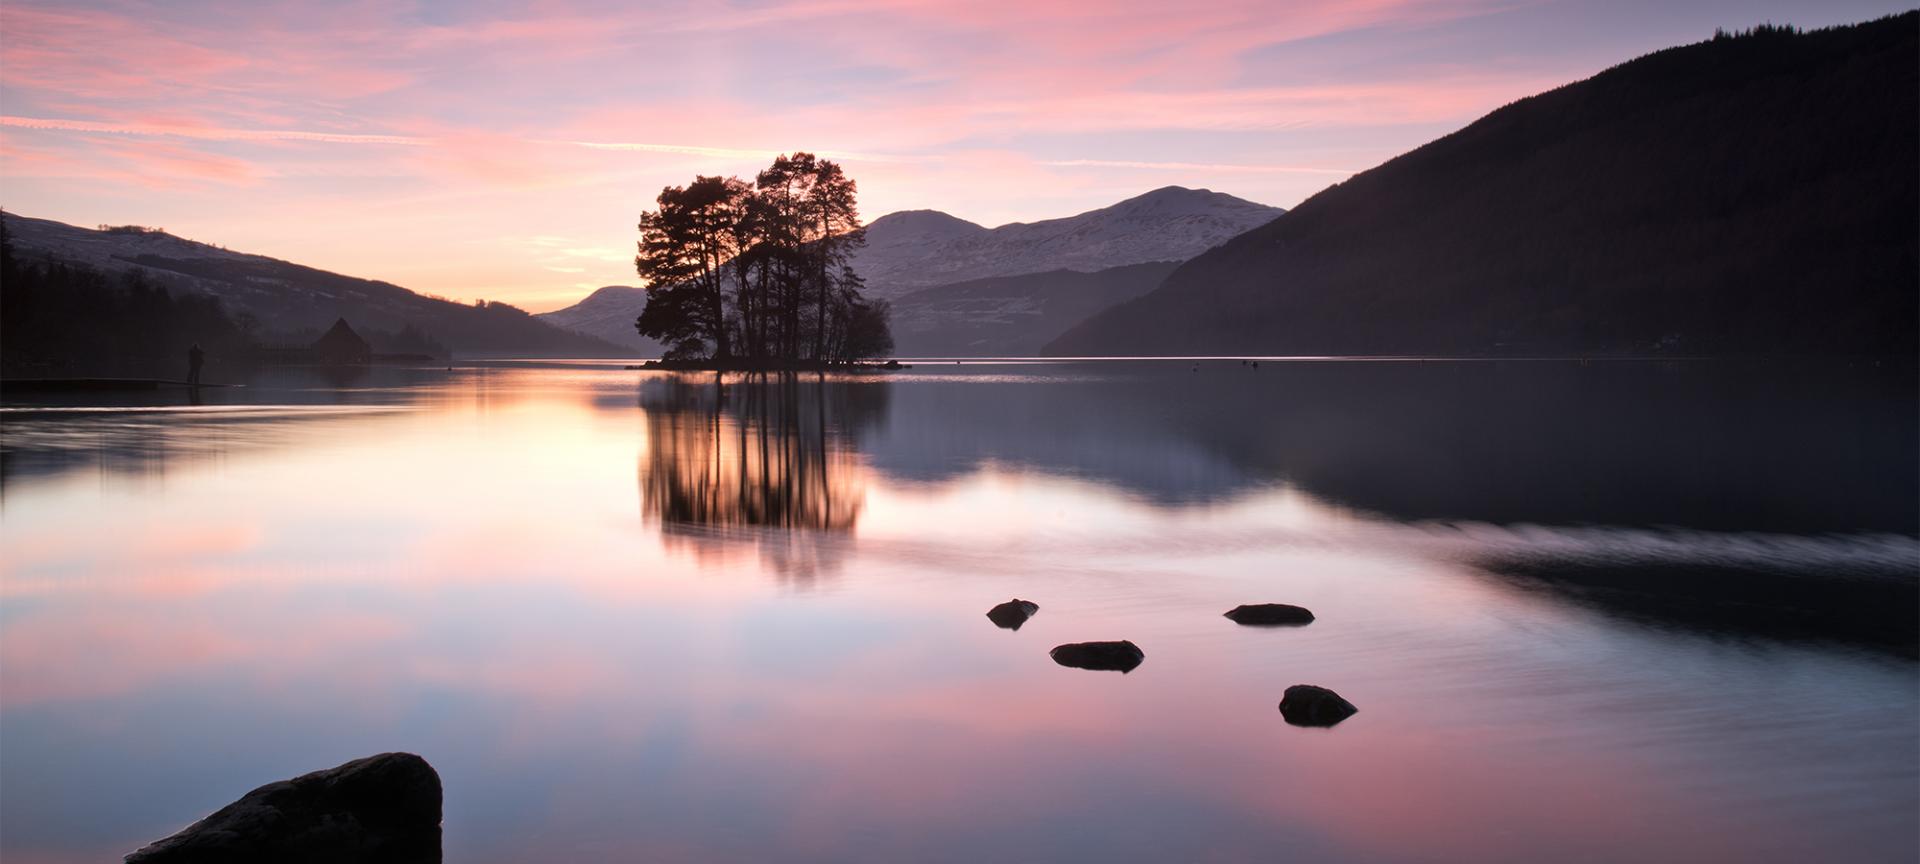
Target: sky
[503,149]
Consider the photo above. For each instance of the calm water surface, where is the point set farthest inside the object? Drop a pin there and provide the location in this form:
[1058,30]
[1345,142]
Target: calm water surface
[1626,611]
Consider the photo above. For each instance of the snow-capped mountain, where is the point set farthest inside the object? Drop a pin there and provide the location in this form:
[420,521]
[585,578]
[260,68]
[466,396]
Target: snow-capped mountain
[111,249]
[921,248]
[608,313]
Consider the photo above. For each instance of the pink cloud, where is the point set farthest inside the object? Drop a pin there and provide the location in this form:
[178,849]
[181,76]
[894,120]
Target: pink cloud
[113,58]
[190,128]
[90,53]
[932,104]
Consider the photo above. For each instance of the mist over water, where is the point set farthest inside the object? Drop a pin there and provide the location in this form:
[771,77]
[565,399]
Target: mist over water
[1610,611]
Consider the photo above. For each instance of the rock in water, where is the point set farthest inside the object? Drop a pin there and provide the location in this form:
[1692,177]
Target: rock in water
[1308,705]
[1013,613]
[383,808]
[1119,656]
[1270,615]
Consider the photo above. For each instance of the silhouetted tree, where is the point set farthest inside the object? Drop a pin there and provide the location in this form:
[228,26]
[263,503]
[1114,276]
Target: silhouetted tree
[684,249]
[759,271]
[783,189]
[409,339]
[832,225]
[868,336]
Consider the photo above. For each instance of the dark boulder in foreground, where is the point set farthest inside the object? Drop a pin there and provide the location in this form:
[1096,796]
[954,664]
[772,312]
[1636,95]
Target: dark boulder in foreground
[383,808]
[1118,656]
[1270,615]
[1013,613]
[1308,705]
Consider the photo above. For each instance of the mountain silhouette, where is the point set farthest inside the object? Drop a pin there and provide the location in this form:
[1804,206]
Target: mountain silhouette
[291,302]
[608,313]
[1753,194]
[922,248]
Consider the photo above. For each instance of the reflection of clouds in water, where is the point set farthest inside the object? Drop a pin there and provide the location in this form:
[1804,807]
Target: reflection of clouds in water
[800,555]
[144,441]
[1287,519]
[470,583]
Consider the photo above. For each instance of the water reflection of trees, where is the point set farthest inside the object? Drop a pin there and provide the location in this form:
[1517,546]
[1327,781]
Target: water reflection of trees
[768,461]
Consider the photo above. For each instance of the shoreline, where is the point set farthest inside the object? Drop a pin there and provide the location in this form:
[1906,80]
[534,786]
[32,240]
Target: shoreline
[742,366]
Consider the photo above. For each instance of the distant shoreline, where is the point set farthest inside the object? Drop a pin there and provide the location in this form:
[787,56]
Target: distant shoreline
[764,366]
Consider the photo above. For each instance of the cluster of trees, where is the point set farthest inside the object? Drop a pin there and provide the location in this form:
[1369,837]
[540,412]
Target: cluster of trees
[758,274]
[73,319]
[409,339]
[1768,29]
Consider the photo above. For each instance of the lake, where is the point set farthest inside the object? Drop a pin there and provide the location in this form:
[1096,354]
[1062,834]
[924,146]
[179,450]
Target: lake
[1587,611]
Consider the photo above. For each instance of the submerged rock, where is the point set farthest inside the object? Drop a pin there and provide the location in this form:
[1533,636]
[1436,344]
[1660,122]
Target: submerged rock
[383,808]
[1270,615]
[1308,705]
[1118,656]
[1013,613]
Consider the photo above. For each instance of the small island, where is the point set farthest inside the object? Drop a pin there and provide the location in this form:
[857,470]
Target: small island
[758,276]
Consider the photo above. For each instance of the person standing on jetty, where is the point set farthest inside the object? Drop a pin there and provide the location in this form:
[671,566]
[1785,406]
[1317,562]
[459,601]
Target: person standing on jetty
[195,359]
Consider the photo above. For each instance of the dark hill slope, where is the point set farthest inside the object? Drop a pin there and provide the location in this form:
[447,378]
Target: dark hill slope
[1757,194]
[292,303]
[1012,316]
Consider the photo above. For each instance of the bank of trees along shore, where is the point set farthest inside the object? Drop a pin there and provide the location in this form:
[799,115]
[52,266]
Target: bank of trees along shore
[757,275]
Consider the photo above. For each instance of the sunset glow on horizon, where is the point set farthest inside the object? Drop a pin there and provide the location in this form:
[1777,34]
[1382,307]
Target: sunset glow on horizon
[502,150]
